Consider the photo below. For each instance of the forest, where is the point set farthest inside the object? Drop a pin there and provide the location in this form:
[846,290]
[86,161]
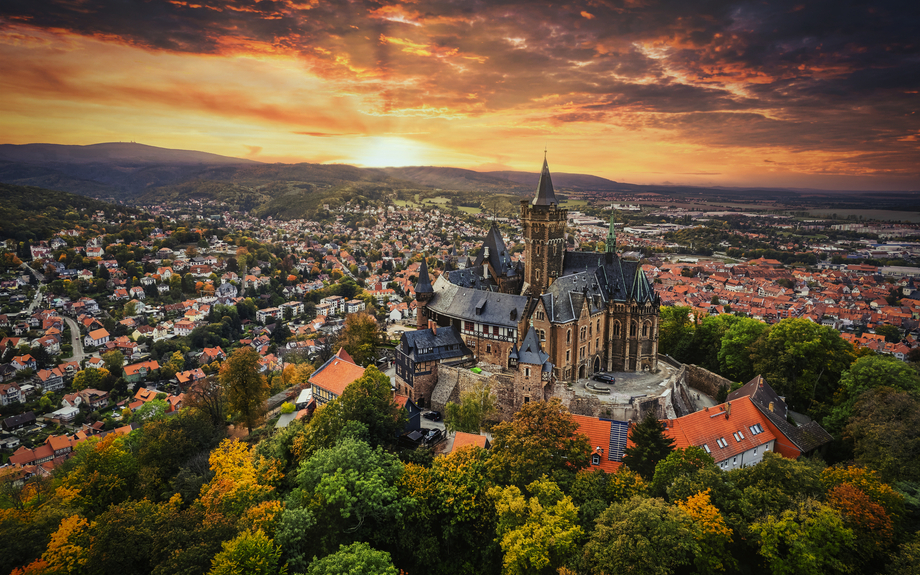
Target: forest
[337,494]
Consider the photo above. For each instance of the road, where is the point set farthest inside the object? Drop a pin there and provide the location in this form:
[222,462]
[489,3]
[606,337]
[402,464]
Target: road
[38,291]
[76,342]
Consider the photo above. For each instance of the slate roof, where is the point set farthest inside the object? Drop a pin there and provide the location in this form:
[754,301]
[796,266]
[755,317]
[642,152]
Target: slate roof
[530,351]
[762,394]
[445,344]
[805,437]
[471,277]
[493,308]
[499,257]
[424,282]
[545,194]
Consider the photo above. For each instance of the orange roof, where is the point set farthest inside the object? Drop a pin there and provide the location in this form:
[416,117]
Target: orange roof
[58,442]
[336,374]
[598,432]
[145,395]
[344,355]
[98,334]
[707,427]
[135,367]
[462,439]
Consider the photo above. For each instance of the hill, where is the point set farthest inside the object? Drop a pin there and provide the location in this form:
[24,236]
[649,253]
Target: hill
[529,180]
[30,213]
[111,152]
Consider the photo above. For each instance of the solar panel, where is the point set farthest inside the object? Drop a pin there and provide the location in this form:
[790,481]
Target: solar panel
[619,432]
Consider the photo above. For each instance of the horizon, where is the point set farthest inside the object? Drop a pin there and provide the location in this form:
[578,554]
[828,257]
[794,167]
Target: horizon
[739,95]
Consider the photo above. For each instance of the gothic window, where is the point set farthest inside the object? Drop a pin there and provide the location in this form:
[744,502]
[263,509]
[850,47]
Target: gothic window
[542,335]
[583,331]
[645,329]
[633,328]
[616,329]
[568,336]
[598,326]
[597,343]
[568,358]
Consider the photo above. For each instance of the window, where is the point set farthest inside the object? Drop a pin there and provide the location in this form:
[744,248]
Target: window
[722,443]
[766,448]
[542,335]
[632,329]
[494,330]
[597,343]
[595,459]
[581,352]
[539,315]
[734,461]
[568,336]
[755,451]
[598,326]
[706,447]
[468,326]
[645,329]
[488,348]
[526,372]
[568,355]
[741,435]
[616,329]
[582,332]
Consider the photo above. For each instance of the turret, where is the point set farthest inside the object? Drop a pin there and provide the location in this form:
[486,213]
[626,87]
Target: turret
[423,294]
[612,232]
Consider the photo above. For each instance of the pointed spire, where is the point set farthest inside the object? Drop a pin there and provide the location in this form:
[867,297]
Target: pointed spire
[424,282]
[545,194]
[612,232]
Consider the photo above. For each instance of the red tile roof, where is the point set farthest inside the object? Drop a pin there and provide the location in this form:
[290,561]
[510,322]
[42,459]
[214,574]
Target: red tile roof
[708,426]
[462,439]
[335,376]
[598,432]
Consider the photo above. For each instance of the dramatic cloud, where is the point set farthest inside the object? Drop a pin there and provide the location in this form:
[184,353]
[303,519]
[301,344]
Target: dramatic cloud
[620,88]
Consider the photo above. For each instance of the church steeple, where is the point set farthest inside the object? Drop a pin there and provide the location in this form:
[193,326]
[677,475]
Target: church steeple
[424,282]
[546,196]
[612,232]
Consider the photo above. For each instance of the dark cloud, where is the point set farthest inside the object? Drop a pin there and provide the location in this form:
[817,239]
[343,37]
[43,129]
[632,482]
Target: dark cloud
[836,75]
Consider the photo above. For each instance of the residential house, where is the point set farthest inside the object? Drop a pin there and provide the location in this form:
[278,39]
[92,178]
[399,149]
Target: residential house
[96,338]
[10,393]
[330,380]
[23,362]
[186,378]
[139,371]
[50,379]
[608,441]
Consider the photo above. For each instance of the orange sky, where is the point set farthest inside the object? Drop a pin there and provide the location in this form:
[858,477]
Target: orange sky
[641,92]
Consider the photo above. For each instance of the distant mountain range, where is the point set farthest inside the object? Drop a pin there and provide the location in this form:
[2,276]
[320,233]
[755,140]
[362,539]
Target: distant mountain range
[140,174]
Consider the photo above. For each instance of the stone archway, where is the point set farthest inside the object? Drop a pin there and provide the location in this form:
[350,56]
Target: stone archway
[597,364]
[581,372]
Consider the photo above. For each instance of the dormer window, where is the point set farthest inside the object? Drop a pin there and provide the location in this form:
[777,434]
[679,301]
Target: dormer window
[595,459]
[722,443]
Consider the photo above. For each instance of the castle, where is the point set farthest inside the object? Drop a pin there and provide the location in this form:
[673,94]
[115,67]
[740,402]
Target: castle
[559,316]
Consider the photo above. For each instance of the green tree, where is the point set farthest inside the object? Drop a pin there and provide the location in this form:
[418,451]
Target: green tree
[537,535]
[114,362]
[251,553]
[885,432]
[707,341]
[735,350]
[680,462]
[643,536]
[802,360]
[245,387]
[650,445]
[594,490]
[355,559]
[542,439]
[776,483]
[89,378]
[807,539]
[151,411]
[100,473]
[866,373]
[892,334]
[476,406]
[676,332]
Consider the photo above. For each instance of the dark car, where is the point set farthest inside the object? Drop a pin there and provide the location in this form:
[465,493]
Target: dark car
[433,436]
[604,378]
[432,415]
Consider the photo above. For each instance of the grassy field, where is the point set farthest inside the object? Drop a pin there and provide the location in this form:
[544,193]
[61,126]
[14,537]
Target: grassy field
[573,204]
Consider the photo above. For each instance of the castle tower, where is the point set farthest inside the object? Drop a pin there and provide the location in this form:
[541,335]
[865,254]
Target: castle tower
[544,235]
[612,232]
[423,294]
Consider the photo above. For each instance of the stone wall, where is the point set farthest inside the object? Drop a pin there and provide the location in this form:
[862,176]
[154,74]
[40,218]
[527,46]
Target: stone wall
[706,381]
[453,381]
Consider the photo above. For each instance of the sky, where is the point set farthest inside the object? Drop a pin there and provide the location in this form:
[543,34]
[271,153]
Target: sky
[805,94]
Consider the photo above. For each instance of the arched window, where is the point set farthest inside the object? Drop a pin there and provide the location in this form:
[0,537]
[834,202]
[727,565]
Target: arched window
[633,328]
[645,329]
[598,326]
[568,336]
[616,329]
[542,335]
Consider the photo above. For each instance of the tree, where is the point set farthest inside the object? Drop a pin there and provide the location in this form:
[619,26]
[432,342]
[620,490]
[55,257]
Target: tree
[892,334]
[245,387]
[885,432]
[537,535]
[802,360]
[676,332]
[352,490]
[359,337]
[679,462]
[355,559]
[707,341]
[542,439]
[89,378]
[69,546]
[476,406]
[650,445]
[100,473]
[735,349]
[643,536]
[250,552]
[810,538]
[175,364]
[866,373]
[207,396]
[710,531]
[151,411]
[114,362]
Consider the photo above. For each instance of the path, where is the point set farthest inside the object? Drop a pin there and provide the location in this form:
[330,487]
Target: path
[76,341]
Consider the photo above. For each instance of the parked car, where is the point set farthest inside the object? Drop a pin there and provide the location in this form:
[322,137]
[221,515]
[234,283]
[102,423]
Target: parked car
[433,436]
[432,415]
[604,378]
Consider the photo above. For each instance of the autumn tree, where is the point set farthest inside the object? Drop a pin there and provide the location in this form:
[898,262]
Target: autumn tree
[477,405]
[89,378]
[251,553]
[359,337]
[680,462]
[537,535]
[808,538]
[101,472]
[542,439]
[114,362]
[67,552]
[207,396]
[712,534]
[246,388]
[867,373]
[649,446]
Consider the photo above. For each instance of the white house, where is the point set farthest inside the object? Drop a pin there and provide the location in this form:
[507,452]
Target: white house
[96,338]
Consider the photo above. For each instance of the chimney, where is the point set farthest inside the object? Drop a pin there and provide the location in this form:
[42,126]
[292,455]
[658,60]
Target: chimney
[728,409]
[433,326]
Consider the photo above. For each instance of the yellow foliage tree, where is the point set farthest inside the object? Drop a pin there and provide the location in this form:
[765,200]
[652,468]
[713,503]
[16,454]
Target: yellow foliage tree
[69,547]
[710,532]
[241,480]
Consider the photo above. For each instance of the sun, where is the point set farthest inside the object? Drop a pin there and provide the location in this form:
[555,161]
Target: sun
[390,152]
